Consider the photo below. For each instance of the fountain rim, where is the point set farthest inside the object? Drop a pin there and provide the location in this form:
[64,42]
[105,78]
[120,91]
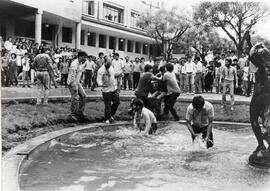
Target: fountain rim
[13,160]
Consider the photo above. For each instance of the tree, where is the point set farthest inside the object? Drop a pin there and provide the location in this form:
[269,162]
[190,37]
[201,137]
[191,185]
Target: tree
[234,18]
[166,27]
[202,38]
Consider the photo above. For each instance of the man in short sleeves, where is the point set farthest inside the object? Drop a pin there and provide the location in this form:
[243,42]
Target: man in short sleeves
[199,117]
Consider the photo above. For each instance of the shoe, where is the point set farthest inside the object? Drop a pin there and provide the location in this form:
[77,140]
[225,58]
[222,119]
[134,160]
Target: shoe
[73,118]
[23,86]
[192,93]
[111,120]
[29,86]
[232,108]
[107,122]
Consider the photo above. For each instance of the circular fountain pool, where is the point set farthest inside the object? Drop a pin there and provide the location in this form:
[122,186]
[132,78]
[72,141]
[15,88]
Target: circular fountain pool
[118,158]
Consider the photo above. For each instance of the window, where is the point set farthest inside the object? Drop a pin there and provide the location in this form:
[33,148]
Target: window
[130,46]
[113,13]
[82,37]
[121,44]
[145,48]
[28,29]
[138,47]
[91,39]
[112,42]
[102,41]
[67,34]
[134,19]
[89,7]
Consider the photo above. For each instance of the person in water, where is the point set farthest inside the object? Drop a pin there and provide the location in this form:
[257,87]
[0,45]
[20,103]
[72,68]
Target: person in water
[199,117]
[144,119]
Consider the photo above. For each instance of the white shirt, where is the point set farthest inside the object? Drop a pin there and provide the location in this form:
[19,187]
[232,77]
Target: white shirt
[222,62]
[150,63]
[176,68]
[90,65]
[106,78]
[118,66]
[145,119]
[25,64]
[198,67]
[189,67]
[8,45]
[75,72]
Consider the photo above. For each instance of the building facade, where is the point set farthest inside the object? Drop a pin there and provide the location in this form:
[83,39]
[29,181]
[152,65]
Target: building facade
[93,26]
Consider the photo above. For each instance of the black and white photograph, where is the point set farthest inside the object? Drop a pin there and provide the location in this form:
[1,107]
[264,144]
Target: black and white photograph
[135,95]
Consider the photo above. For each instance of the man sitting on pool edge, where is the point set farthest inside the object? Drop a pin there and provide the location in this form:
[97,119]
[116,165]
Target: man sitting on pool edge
[144,119]
[199,117]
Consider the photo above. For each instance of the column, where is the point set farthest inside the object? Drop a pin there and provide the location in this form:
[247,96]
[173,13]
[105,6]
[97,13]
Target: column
[78,36]
[38,26]
[116,44]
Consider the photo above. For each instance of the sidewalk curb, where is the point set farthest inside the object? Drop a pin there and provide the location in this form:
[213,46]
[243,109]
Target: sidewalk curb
[96,98]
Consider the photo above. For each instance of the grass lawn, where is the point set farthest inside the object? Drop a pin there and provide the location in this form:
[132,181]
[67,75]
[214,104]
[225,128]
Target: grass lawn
[21,122]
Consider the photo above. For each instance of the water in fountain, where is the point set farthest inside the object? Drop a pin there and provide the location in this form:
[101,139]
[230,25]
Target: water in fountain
[124,160]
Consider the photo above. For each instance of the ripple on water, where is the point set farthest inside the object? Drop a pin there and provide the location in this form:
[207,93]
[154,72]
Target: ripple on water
[124,160]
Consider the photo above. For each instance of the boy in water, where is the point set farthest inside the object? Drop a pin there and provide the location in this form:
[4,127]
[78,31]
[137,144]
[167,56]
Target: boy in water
[199,117]
[144,119]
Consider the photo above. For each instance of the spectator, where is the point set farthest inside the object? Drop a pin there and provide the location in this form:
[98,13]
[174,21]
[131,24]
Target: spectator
[136,73]
[13,69]
[64,67]
[118,66]
[89,69]
[26,69]
[128,70]
[8,44]
[245,78]
[228,74]
[198,75]
[99,63]
[189,68]
[5,70]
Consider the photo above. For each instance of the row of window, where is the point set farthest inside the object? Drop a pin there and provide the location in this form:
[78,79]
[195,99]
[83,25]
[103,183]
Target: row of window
[110,13]
[102,41]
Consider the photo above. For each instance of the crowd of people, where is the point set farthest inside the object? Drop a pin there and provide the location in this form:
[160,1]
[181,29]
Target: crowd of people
[154,82]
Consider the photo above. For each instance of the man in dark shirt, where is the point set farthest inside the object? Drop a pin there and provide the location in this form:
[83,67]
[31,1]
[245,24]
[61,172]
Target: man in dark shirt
[144,86]
[42,66]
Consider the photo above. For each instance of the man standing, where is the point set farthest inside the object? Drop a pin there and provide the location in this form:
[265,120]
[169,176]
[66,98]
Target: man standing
[99,63]
[229,74]
[118,66]
[198,75]
[78,95]
[128,69]
[173,91]
[106,79]
[44,73]
[199,117]
[89,68]
[189,68]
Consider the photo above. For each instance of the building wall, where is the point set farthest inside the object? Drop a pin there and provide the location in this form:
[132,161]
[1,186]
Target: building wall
[70,9]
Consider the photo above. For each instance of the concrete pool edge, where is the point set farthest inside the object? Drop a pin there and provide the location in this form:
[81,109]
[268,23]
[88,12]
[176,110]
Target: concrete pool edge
[13,160]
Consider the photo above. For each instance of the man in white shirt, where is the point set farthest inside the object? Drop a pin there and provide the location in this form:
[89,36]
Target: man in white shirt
[150,62]
[222,60]
[128,70]
[118,66]
[198,75]
[8,44]
[89,70]
[189,68]
[78,95]
[144,119]
[106,79]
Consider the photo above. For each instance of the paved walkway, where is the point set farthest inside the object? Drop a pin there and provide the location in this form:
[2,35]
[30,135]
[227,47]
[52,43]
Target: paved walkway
[24,94]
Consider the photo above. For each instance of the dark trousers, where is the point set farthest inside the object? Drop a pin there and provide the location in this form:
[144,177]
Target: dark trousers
[153,129]
[111,102]
[146,102]
[13,76]
[203,130]
[88,78]
[94,80]
[64,78]
[78,99]
[5,76]
[136,78]
[127,78]
[169,105]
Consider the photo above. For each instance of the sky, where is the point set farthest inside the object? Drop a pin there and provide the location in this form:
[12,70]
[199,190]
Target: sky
[262,28]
